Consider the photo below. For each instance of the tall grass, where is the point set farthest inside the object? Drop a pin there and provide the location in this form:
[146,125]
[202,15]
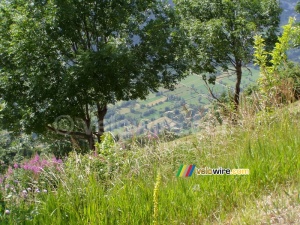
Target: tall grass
[271,152]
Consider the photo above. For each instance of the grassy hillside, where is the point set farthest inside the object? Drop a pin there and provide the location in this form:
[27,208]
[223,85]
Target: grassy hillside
[140,186]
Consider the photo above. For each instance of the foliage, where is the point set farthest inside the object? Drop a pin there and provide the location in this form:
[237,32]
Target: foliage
[274,71]
[106,145]
[292,72]
[151,139]
[70,59]
[220,34]
[23,184]
[250,89]
[15,148]
[58,145]
[102,164]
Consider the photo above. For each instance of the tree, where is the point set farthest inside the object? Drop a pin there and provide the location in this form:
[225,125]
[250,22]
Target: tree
[221,34]
[63,62]
[297,7]
[271,63]
[279,78]
[295,37]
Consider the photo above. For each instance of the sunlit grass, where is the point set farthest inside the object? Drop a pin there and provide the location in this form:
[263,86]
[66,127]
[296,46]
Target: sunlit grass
[271,152]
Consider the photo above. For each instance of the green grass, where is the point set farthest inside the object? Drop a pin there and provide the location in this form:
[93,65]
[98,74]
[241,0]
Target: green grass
[271,152]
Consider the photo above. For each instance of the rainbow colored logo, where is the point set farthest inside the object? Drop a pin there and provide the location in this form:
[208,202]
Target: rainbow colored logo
[185,170]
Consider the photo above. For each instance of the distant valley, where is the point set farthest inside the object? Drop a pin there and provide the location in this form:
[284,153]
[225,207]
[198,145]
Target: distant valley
[179,111]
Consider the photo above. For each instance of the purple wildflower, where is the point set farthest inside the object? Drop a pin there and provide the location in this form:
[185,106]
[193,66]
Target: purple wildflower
[44,163]
[25,166]
[36,159]
[56,161]
[9,171]
[7,211]
[24,194]
[36,169]
[36,165]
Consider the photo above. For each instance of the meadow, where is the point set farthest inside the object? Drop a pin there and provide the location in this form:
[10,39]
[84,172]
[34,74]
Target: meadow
[140,186]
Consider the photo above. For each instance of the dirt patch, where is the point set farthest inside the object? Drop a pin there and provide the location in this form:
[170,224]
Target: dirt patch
[273,209]
[280,210]
[124,110]
[164,119]
[163,99]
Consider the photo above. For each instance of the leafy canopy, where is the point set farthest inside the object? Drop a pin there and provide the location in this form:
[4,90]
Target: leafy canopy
[64,57]
[221,33]
[274,65]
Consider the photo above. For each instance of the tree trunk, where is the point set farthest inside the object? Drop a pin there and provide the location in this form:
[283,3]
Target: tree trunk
[89,131]
[238,69]
[101,112]
[91,142]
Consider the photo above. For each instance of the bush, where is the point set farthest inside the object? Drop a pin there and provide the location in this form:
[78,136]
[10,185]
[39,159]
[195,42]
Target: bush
[102,164]
[15,148]
[250,89]
[291,74]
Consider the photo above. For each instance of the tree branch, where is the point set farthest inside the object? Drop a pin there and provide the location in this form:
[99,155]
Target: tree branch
[211,92]
[64,132]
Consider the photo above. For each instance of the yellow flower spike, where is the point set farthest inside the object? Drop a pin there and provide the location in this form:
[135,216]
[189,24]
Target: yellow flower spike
[155,199]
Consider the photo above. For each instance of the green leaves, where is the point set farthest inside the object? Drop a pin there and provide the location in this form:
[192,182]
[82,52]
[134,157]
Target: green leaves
[221,32]
[278,58]
[63,57]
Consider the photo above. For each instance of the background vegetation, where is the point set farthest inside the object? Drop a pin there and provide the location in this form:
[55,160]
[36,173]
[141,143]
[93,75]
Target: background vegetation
[130,175]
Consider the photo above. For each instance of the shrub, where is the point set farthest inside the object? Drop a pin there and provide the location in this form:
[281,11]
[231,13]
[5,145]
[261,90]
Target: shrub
[250,89]
[101,164]
[291,74]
